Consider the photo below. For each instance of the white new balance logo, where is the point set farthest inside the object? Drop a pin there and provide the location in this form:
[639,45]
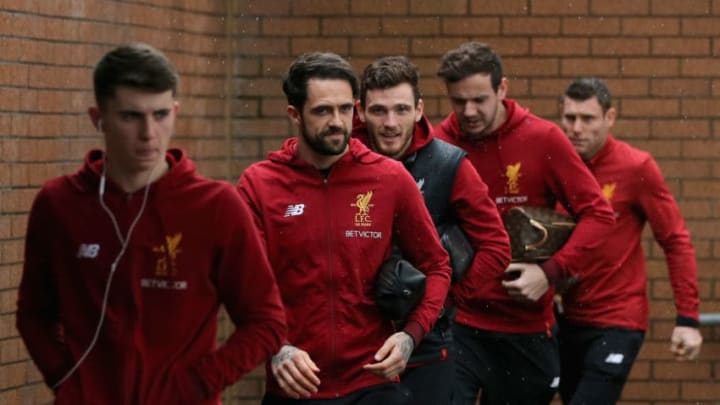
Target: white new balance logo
[88,251]
[295,209]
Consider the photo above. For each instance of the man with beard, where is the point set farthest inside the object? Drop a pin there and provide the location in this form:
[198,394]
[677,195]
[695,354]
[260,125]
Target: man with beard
[391,122]
[330,211]
[606,313]
[504,334]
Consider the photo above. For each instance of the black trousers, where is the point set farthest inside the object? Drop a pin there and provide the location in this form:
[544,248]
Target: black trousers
[391,394]
[507,368]
[595,362]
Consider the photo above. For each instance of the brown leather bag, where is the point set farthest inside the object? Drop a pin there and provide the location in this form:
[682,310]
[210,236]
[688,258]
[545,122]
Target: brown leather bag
[536,233]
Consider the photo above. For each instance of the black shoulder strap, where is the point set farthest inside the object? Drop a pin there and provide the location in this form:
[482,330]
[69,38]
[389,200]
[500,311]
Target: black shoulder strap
[434,168]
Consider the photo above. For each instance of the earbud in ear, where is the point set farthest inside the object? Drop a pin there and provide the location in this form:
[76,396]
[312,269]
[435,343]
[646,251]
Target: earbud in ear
[99,124]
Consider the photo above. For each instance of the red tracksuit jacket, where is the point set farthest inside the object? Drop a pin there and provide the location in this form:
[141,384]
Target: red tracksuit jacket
[326,239]
[613,292]
[195,247]
[529,161]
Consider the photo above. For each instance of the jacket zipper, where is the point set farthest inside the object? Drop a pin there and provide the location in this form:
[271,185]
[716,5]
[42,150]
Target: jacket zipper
[331,283]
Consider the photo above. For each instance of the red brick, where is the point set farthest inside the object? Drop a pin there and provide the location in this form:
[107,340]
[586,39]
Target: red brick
[620,46]
[493,7]
[597,66]
[531,25]
[434,7]
[314,44]
[694,169]
[681,371]
[412,26]
[587,26]
[681,46]
[640,370]
[701,149]
[631,129]
[257,87]
[276,67]
[550,87]
[701,107]
[646,390]
[559,7]
[247,25]
[701,391]
[247,46]
[650,67]
[470,26]
[700,26]
[660,149]
[699,66]
[380,46]
[13,74]
[273,107]
[282,26]
[264,7]
[701,188]
[438,46]
[320,7]
[680,7]
[619,7]
[354,26]
[540,107]
[650,26]
[379,7]
[559,46]
[680,87]
[540,67]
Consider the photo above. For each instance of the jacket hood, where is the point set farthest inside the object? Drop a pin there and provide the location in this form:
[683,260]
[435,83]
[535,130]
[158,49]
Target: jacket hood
[287,154]
[421,137]
[515,115]
[87,178]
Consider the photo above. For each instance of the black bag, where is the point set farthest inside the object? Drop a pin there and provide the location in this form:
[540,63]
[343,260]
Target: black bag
[399,288]
[459,249]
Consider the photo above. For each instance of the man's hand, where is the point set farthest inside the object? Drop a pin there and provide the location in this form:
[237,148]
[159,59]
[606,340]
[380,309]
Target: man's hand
[530,284]
[295,372]
[392,356]
[685,343]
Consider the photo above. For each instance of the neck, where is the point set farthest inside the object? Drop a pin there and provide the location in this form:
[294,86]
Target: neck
[320,161]
[131,182]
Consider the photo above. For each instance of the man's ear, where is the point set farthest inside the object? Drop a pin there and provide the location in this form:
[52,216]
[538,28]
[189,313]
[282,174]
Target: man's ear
[360,111]
[610,115]
[419,110]
[294,114]
[95,117]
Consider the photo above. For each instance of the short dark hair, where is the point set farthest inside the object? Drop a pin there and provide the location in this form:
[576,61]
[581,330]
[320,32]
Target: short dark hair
[388,72]
[316,65]
[585,88]
[135,65]
[468,59]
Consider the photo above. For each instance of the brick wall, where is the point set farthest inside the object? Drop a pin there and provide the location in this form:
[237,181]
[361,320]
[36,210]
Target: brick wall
[659,57]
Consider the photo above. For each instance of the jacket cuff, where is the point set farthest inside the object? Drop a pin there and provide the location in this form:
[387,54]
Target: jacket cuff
[415,331]
[552,270]
[687,321]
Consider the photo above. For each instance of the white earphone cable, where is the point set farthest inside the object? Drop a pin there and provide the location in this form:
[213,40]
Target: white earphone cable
[125,241]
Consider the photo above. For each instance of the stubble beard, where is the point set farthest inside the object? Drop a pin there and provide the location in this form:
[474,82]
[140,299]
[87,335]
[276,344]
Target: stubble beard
[320,143]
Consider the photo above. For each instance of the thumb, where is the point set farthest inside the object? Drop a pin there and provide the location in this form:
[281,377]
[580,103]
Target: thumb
[384,350]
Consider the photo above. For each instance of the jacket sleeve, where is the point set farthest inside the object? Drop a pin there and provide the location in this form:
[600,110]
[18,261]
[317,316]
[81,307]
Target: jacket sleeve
[247,288]
[668,227]
[479,218]
[578,191]
[38,312]
[418,240]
